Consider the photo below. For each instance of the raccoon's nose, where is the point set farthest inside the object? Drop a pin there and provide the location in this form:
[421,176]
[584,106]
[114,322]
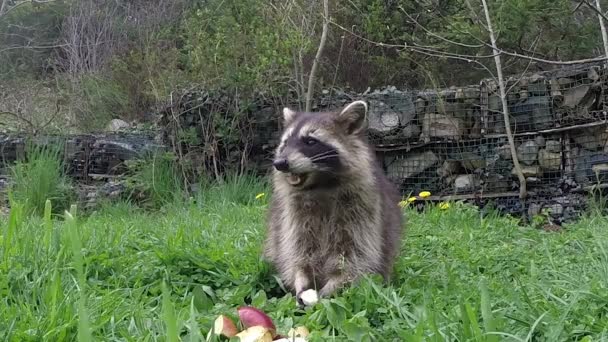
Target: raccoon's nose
[281,165]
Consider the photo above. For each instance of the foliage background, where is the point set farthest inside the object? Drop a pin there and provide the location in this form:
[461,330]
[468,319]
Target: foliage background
[123,59]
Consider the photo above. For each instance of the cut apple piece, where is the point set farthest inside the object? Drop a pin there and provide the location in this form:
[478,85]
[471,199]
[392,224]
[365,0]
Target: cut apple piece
[255,334]
[300,331]
[251,317]
[224,326]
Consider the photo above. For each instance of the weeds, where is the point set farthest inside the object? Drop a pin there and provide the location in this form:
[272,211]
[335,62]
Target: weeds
[156,181]
[40,177]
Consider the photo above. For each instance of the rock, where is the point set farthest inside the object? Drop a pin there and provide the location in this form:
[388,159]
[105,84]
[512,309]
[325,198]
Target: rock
[411,165]
[494,103]
[448,168]
[592,139]
[540,141]
[471,161]
[527,152]
[553,146]
[537,88]
[504,152]
[532,114]
[119,149]
[528,171]
[549,161]
[574,96]
[534,209]
[420,105]
[405,108]
[410,131]
[382,119]
[494,182]
[556,209]
[117,125]
[441,126]
[465,183]
[599,169]
[593,74]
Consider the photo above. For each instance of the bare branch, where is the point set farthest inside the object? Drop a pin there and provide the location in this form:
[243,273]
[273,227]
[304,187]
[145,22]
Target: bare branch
[505,106]
[436,35]
[527,66]
[497,52]
[597,10]
[315,64]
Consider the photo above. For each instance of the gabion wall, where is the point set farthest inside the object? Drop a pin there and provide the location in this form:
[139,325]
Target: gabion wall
[453,142]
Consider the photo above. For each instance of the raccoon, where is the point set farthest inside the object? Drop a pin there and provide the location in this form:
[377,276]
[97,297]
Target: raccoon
[334,215]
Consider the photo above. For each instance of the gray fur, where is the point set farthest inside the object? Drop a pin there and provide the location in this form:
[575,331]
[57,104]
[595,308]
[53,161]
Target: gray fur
[322,234]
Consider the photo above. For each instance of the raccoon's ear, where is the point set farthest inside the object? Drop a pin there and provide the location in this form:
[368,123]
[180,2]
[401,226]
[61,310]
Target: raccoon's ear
[354,117]
[288,115]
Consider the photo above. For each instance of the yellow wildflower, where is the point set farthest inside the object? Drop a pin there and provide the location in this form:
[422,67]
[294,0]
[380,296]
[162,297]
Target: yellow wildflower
[260,195]
[444,205]
[424,194]
[411,199]
[403,204]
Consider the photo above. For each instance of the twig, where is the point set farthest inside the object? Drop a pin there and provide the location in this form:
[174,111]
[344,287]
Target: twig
[436,35]
[315,64]
[523,74]
[505,106]
[497,51]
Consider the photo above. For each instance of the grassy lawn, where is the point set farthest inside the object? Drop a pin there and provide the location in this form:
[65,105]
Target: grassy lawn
[460,277]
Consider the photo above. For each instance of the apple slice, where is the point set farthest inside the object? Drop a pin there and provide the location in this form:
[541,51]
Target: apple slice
[251,317]
[223,325]
[300,331]
[255,333]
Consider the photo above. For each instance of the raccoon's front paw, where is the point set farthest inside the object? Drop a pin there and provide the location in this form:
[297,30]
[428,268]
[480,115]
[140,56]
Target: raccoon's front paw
[307,298]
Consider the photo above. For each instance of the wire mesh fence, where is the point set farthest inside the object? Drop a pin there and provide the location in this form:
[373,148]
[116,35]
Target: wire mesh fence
[86,157]
[452,142]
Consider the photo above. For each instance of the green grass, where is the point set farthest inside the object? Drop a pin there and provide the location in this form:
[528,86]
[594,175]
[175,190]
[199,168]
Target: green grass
[40,177]
[124,274]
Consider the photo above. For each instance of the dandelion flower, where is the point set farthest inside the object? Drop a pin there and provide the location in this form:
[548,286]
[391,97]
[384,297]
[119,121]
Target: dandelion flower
[402,204]
[444,205]
[411,199]
[424,194]
[260,195]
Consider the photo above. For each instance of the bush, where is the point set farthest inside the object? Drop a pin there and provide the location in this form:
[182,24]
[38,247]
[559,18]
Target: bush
[242,44]
[40,177]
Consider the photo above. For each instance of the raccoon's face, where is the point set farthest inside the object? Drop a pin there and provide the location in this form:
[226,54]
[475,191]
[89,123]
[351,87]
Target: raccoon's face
[314,147]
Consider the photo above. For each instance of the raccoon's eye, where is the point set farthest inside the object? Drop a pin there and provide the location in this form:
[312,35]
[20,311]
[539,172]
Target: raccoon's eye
[309,141]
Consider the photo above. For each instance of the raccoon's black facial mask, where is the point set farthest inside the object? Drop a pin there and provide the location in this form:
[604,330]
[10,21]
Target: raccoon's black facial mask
[324,156]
